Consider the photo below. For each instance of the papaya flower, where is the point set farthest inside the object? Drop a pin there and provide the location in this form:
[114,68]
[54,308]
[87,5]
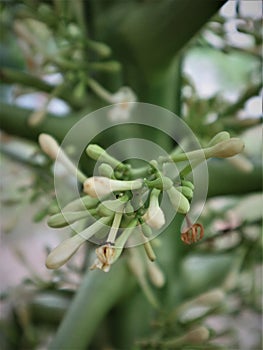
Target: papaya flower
[154,215]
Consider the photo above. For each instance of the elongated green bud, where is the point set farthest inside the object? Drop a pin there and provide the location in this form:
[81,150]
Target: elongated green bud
[106,170]
[178,200]
[98,153]
[223,149]
[161,183]
[186,191]
[66,218]
[149,251]
[221,136]
[81,203]
[100,48]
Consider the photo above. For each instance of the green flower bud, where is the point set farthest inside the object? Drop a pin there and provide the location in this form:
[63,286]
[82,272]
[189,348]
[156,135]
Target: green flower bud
[178,200]
[188,184]
[186,191]
[66,218]
[161,183]
[221,136]
[98,153]
[81,203]
[106,171]
[100,48]
[149,251]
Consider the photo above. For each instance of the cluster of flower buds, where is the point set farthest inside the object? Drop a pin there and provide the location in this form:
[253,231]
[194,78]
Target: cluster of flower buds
[123,203]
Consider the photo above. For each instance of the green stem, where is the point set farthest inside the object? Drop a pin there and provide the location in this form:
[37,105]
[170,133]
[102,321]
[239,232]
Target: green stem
[129,29]
[11,76]
[95,297]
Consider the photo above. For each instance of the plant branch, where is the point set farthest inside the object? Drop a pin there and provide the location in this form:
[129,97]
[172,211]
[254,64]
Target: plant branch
[11,76]
[98,293]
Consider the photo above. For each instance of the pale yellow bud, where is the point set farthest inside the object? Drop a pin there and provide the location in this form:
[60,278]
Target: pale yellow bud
[49,145]
[225,149]
[156,275]
[64,251]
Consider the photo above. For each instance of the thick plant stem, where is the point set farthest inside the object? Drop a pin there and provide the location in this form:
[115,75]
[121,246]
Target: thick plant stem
[11,76]
[14,120]
[97,294]
[139,34]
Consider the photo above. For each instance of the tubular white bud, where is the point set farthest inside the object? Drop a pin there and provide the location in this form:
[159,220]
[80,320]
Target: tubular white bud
[99,186]
[50,146]
[225,149]
[64,251]
[154,215]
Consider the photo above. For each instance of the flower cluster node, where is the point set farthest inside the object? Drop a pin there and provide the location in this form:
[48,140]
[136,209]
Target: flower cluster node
[137,207]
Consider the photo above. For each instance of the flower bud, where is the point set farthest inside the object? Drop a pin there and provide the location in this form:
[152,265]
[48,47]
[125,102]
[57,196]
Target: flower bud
[110,206]
[149,250]
[178,200]
[161,183]
[100,48]
[66,218]
[221,136]
[81,203]
[186,191]
[99,186]
[156,275]
[154,216]
[50,146]
[188,184]
[197,336]
[98,153]
[64,251]
[106,170]
[225,149]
